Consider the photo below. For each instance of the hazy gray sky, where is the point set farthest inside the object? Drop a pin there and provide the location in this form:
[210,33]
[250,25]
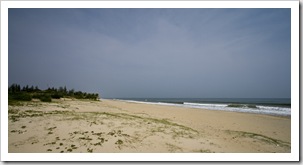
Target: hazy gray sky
[153,52]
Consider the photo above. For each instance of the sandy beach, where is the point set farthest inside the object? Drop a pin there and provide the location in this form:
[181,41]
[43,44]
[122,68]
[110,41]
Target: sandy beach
[111,126]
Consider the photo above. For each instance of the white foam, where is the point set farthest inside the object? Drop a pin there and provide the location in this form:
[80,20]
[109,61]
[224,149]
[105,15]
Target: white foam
[274,108]
[260,109]
[205,105]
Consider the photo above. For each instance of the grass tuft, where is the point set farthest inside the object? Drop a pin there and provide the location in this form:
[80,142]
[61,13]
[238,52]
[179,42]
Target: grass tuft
[263,138]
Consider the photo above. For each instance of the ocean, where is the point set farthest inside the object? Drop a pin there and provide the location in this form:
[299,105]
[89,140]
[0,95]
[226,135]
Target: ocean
[269,106]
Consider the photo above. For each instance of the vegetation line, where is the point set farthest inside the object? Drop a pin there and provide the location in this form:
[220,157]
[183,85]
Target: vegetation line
[26,93]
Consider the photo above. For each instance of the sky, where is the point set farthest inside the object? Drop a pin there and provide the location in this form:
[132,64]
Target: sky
[153,53]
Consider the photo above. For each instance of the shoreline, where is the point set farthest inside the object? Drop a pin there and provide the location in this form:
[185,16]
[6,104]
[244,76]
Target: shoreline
[108,126]
[184,106]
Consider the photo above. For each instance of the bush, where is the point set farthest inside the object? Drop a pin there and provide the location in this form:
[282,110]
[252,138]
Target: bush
[36,96]
[45,98]
[57,95]
[21,96]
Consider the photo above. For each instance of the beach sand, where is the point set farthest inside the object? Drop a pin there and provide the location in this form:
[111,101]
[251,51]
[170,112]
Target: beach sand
[111,126]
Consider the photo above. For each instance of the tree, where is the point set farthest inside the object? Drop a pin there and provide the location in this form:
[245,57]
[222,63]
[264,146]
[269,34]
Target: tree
[26,88]
[14,88]
[31,89]
[65,90]
[37,89]
[71,92]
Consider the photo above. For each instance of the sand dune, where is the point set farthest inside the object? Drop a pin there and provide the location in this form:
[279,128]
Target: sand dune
[111,126]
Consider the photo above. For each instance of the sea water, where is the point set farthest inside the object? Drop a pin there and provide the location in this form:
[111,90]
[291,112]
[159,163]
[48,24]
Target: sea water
[270,106]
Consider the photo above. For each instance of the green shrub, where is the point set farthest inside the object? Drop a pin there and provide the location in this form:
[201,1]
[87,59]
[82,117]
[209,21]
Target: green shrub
[37,96]
[57,95]
[20,96]
[45,98]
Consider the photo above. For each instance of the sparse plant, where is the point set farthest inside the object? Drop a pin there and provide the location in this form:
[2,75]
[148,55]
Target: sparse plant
[73,146]
[45,98]
[89,150]
[203,151]
[119,142]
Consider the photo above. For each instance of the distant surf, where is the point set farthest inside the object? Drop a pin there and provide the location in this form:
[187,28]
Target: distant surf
[269,106]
